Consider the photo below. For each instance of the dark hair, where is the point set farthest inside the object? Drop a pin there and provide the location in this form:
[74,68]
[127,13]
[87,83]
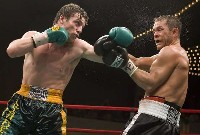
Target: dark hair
[69,10]
[171,21]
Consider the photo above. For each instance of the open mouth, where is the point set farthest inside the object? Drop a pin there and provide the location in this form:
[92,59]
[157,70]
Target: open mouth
[157,42]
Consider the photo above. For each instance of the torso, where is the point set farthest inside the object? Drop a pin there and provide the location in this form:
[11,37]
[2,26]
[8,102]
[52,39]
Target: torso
[52,66]
[174,89]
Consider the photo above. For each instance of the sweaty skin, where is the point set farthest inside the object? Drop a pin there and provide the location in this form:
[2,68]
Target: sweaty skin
[165,74]
[51,65]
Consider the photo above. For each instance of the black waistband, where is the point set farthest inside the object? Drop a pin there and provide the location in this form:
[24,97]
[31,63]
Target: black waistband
[175,106]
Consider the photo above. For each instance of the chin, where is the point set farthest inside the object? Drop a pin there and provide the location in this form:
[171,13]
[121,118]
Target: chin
[72,40]
[159,47]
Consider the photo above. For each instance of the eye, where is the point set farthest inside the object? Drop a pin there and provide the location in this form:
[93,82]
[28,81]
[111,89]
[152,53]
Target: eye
[78,23]
[157,30]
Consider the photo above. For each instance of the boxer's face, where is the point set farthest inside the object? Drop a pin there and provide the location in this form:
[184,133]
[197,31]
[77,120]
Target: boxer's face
[74,25]
[162,35]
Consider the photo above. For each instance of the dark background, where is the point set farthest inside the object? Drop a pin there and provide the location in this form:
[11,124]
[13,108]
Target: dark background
[93,83]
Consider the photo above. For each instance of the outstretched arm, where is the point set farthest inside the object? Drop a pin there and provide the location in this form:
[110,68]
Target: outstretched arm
[89,53]
[118,36]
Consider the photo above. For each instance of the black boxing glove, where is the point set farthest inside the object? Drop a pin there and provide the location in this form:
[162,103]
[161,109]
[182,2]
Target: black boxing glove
[118,36]
[103,45]
[116,57]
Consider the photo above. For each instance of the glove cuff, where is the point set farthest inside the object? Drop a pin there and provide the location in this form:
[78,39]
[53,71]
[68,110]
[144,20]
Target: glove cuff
[40,39]
[130,68]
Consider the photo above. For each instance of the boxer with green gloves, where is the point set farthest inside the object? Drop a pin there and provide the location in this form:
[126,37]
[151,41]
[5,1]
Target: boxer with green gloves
[55,34]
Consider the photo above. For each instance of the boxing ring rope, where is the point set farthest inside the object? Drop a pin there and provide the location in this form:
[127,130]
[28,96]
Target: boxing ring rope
[89,107]
[111,132]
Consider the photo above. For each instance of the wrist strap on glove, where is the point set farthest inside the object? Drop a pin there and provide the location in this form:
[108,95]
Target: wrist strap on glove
[130,68]
[34,44]
[40,39]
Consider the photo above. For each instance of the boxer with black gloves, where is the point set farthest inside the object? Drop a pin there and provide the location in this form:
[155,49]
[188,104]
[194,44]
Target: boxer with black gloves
[164,78]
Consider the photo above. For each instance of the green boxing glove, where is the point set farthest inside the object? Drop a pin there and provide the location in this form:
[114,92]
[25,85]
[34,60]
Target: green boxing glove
[55,34]
[122,36]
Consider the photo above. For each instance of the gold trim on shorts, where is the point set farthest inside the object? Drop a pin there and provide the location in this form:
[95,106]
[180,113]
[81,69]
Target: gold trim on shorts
[53,95]
[64,123]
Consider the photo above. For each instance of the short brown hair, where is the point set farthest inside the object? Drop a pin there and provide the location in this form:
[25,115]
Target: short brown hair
[69,10]
[172,21]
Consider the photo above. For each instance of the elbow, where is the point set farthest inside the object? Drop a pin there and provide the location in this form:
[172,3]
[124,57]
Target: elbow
[11,52]
[150,88]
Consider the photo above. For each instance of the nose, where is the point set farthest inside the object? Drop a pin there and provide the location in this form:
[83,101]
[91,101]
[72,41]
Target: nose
[155,34]
[79,29]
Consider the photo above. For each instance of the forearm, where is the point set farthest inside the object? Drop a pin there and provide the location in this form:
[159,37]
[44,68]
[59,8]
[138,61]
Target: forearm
[20,47]
[89,53]
[143,80]
[33,39]
[140,77]
[143,63]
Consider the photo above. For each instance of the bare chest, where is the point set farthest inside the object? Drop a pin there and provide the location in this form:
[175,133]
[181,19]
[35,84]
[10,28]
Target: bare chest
[56,57]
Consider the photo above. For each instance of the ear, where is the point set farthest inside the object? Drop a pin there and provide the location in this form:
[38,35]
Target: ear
[61,19]
[175,31]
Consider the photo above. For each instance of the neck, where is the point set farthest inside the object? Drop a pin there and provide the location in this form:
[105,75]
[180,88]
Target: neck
[175,42]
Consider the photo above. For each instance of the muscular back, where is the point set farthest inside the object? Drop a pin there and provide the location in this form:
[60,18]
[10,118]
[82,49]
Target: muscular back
[173,77]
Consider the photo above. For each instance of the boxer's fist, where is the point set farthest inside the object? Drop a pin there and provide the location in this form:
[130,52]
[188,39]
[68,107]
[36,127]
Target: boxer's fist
[113,55]
[103,45]
[121,35]
[118,36]
[116,57]
[55,34]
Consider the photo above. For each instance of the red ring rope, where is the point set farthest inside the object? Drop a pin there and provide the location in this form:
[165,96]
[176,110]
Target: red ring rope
[102,131]
[108,108]
[94,131]
[88,107]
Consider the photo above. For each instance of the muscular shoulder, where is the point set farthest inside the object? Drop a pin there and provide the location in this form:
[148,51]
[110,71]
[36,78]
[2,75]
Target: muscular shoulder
[168,52]
[173,51]
[173,54]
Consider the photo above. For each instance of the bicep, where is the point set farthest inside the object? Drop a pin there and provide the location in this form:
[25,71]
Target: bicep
[161,69]
[29,34]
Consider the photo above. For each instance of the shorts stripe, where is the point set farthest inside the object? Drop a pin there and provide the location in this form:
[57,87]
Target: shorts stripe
[64,123]
[6,123]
